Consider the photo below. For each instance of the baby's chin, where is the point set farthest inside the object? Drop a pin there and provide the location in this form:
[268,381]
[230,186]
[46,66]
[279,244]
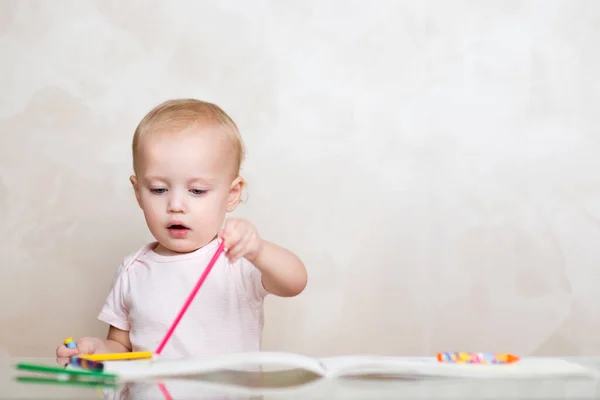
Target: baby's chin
[172,247]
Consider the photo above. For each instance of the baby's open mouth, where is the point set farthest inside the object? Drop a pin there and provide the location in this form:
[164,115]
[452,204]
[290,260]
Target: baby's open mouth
[178,230]
[177,226]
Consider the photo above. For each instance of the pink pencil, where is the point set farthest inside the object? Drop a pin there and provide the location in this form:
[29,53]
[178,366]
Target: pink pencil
[189,300]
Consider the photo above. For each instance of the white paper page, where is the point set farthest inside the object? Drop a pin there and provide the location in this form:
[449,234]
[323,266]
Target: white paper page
[429,367]
[141,369]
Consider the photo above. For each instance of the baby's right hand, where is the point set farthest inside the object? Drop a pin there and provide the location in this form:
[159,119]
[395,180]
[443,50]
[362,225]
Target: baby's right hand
[84,346]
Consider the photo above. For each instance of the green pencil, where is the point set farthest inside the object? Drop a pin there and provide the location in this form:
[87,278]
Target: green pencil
[71,382]
[61,371]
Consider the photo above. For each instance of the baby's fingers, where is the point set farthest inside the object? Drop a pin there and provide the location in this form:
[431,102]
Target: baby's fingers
[64,351]
[86,346]
[231,240]
[62,361]
[64,354]
[239,250]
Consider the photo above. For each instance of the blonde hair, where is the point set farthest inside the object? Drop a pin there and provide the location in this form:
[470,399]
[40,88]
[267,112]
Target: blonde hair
[178,114]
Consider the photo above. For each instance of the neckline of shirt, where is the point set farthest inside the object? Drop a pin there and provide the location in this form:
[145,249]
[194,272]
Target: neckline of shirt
[201,252]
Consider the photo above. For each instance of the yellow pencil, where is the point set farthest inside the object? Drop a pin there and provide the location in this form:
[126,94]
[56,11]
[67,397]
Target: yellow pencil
[136,355]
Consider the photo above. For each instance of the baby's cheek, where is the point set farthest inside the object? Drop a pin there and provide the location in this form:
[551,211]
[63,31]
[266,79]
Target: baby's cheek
[153,217]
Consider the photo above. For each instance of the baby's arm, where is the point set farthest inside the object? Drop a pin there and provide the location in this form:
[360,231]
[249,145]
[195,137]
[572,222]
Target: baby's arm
[117,341]
[283,273]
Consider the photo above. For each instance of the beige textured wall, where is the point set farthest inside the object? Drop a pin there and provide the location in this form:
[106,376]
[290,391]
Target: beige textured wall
[434,163]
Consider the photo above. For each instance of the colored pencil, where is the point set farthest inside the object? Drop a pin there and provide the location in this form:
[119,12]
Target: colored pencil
[476,358]
[89,383]
[190,298]
[135,355]
[63,371]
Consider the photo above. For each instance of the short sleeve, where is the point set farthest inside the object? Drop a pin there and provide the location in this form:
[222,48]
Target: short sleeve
[251,281]
[114,311]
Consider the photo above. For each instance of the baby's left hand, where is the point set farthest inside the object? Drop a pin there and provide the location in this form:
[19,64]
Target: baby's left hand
[241,240]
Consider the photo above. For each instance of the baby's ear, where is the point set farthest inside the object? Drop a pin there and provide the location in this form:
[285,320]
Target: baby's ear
[235,193]
[136,189]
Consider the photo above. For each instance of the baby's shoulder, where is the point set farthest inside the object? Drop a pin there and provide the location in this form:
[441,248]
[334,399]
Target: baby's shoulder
[131,258]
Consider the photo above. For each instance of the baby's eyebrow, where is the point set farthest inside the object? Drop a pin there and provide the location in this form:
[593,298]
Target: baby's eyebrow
[155,178]
[206,180]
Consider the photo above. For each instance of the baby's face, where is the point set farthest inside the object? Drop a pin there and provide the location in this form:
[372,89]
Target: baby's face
[185,186]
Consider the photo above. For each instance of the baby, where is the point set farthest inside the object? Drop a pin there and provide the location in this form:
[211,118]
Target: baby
[186,158]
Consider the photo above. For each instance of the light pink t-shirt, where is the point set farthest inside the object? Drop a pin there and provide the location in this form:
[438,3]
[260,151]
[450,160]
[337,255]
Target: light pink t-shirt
[149,290]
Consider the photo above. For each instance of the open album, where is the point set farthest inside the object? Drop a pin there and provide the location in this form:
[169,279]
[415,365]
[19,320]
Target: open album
[350,366]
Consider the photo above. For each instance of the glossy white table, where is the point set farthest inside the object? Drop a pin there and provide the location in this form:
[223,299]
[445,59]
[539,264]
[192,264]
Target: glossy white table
[301,385]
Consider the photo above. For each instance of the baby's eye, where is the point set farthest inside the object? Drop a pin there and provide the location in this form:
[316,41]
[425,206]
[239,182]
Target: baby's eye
[197,191]
[158,190]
